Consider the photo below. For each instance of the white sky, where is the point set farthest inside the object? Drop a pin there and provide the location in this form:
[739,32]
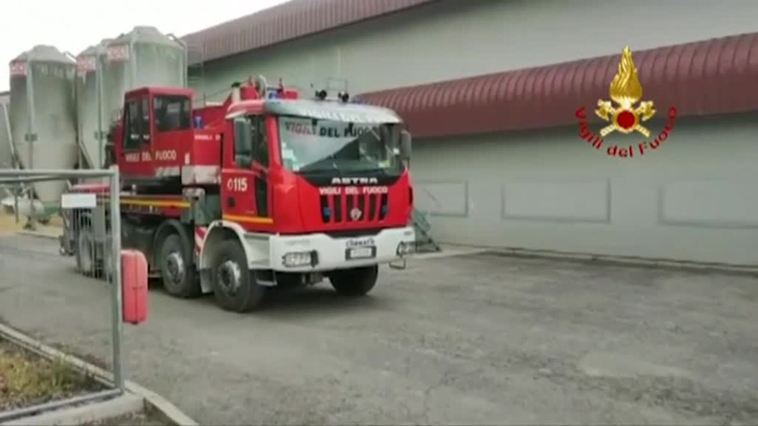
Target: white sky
[73,25]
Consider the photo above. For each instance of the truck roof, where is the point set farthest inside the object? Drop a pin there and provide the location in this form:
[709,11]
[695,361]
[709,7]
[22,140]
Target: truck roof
[161,90]
[324,110]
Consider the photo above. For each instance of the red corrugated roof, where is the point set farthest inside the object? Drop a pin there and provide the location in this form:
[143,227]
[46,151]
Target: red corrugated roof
[701,78]
[287,21]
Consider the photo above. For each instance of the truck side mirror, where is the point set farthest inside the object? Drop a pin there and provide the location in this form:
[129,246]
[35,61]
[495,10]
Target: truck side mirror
[243,142]
[405,145]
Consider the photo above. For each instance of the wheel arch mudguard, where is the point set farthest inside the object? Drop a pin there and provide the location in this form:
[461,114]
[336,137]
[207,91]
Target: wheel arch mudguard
[256,248]
[222,230]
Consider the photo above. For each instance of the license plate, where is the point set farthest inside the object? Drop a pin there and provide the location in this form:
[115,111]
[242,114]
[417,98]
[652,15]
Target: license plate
[360,253]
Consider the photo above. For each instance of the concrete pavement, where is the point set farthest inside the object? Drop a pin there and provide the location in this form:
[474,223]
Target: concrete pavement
[475,339]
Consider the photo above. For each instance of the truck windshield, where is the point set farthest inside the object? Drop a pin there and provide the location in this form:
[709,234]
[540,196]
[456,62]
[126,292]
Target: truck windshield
[315,145]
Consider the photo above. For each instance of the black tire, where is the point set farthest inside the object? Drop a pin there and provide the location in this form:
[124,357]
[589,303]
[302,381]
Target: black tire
[177,269]
[106,255]
[85,250]
[234,285]
[354,282]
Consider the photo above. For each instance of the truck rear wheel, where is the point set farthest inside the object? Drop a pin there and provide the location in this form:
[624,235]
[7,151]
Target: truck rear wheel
[234,285]
[354,282]
[177,269]
[85,250]
[107,263]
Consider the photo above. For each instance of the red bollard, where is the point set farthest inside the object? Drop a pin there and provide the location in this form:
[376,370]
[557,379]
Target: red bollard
[134,286]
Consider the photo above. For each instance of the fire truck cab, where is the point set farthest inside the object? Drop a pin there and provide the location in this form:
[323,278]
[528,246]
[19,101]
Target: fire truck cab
[265,189]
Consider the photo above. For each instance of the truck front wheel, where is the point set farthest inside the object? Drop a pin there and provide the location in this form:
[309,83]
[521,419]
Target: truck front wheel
[354,282]
[177,270]
[234,285]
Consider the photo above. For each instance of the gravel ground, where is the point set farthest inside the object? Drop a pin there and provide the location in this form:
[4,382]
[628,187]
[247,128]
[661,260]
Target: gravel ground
[478,339]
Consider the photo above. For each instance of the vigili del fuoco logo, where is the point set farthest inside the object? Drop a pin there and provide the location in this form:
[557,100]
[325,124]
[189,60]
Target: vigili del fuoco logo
[625,113]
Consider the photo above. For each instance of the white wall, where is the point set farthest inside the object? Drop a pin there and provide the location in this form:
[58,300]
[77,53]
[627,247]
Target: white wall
[695,198]
[458,38]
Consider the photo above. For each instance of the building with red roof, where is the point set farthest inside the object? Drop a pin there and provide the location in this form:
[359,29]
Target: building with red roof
[493,91]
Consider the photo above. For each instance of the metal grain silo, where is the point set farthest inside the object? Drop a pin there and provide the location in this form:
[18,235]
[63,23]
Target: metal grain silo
[141,57]
[6,149]
[43,116]
[91,121]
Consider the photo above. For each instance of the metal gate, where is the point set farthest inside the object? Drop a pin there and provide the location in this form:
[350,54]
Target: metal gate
[92,224]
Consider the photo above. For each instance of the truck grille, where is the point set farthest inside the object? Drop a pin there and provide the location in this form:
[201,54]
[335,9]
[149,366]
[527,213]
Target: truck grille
[345,207]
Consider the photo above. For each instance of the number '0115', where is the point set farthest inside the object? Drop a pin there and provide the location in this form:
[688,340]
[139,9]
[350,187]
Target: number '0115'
[237,184]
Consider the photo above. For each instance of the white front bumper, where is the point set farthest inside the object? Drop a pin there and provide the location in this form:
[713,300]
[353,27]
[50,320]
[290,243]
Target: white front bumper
[331,252]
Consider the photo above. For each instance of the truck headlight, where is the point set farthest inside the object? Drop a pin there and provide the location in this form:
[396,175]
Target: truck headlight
[300,258]
[405,248]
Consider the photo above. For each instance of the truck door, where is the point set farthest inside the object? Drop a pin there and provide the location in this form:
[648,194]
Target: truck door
[244,190]
[135,153]
[260,167]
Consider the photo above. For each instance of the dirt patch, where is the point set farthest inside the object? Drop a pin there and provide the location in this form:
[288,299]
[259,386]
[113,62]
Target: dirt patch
[27,379]
[8,223]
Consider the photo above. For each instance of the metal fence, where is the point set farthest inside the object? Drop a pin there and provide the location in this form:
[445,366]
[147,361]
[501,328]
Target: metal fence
[89,230]
[86,233]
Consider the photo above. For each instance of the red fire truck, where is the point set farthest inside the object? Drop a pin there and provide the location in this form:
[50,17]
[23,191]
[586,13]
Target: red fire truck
[267,189]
